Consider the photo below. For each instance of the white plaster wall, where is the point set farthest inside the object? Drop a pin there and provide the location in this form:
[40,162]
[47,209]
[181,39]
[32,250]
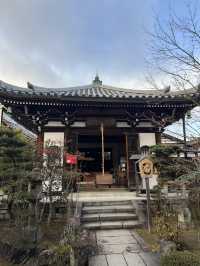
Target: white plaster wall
[148,139]
[54,124]
[55,138]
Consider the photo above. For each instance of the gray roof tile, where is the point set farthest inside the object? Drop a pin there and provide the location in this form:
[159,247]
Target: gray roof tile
[95,90]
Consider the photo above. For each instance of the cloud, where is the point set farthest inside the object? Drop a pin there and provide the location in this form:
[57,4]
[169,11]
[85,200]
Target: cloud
[63,43]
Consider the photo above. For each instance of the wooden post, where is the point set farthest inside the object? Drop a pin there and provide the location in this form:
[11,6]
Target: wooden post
[148,204]
[40,144]
[102,148]
[127,159]
[184,137]
[136,179]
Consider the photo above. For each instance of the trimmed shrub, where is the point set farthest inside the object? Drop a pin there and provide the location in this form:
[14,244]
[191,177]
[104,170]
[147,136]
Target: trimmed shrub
[180,258]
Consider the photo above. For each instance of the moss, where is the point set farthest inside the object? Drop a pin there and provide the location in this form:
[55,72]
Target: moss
[151,239]
[183,258]
[4,262]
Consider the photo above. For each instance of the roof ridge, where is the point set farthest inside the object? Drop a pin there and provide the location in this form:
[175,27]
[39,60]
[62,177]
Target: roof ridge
[96,90]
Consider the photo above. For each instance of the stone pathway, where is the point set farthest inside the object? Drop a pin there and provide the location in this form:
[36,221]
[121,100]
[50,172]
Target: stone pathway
[121,248]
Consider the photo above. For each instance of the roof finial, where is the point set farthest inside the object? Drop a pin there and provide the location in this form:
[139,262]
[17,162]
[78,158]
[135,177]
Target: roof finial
[96,80]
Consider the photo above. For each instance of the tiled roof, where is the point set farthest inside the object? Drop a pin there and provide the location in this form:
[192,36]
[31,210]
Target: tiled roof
[10,122]
[94,90]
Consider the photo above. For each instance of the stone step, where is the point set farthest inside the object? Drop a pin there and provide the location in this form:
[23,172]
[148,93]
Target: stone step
[112,225]
[108,209]
[3,211]
[107,203]
[108,217]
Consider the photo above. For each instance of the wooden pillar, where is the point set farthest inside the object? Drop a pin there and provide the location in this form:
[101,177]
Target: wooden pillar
[132,148]
[127,158]
[158,137]
[40,143]
[102,148]
[66,139]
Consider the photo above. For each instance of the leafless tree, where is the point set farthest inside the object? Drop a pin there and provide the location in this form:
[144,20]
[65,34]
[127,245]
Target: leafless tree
[174,51]
[175,47]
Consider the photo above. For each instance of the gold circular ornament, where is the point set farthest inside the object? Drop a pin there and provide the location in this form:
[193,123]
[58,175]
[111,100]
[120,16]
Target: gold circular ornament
[146,167]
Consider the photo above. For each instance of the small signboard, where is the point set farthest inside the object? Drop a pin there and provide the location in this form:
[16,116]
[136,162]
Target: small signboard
[71,159]
[146,167]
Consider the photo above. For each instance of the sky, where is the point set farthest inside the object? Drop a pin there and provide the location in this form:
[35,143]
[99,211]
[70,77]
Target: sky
[63,43]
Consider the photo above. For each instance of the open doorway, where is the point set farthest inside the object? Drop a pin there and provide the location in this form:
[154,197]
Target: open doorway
[95,164]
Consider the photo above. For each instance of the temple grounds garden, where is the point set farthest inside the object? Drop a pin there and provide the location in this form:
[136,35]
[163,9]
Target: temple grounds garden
[43,227]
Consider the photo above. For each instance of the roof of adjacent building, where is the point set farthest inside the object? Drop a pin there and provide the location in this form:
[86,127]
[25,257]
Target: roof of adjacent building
[95,90]
[10,122]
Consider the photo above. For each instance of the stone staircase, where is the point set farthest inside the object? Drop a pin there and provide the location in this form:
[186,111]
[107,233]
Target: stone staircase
[109,215]
[4,211]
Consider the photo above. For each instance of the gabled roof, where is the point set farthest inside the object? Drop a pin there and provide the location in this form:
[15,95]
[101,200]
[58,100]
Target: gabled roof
[94,90]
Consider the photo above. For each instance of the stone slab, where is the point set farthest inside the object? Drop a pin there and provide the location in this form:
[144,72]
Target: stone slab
[116,260]
[108,208]
[111,225]
[118,249]
[122,232]
[104,203]
[95,225]
[99,260]
[90,217]
[131,224]
[117,216]
[116,240]
[133,259]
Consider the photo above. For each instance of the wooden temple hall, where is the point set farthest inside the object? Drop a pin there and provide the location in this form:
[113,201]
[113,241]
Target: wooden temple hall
[106,126]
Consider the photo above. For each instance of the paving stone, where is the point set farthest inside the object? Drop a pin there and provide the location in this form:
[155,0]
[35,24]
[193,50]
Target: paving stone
[122,232]
[116,240]
[99,260]
[116,260]
[133,259]
[118,248]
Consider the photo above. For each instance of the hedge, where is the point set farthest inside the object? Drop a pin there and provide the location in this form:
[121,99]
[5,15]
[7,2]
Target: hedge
[181,258]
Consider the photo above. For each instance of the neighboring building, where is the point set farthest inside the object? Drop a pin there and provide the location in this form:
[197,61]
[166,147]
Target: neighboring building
[78,117]
[8,121]
[169,140]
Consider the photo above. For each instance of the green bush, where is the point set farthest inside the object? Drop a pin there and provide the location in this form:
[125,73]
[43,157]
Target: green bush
[181,258]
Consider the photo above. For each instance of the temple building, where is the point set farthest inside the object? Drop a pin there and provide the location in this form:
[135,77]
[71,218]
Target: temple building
[85,118]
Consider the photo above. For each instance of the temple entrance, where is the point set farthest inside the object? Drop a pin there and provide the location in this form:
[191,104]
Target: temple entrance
[94,164]
[115,174]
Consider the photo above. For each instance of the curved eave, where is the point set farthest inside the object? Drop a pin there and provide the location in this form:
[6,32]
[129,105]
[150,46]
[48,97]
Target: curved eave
[97,94]
[136,99]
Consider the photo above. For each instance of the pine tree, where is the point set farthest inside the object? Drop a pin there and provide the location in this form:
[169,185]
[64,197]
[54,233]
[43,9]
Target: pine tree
[16,164]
